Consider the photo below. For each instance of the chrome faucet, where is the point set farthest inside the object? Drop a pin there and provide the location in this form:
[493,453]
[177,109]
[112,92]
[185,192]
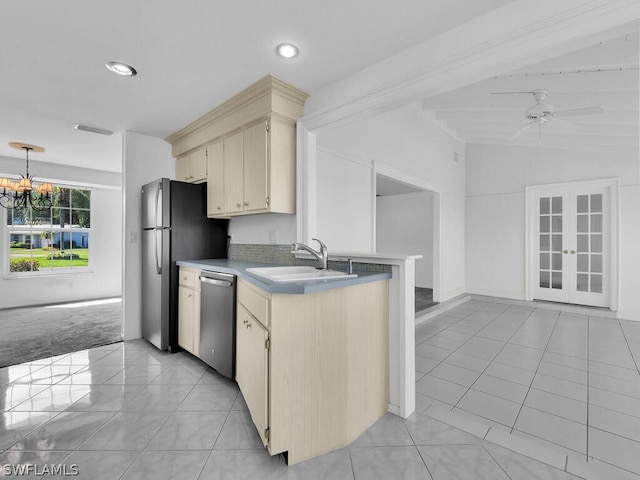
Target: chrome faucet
[321,256]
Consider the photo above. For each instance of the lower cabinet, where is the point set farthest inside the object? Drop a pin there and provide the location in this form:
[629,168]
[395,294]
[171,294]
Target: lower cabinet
[252,372]
[314,368]
[189,311]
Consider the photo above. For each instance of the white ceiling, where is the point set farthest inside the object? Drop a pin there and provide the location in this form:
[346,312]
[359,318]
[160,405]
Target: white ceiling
[191,55]
[475,115]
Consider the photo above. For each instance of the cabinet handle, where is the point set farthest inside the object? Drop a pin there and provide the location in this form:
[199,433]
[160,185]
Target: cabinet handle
[245,322]
[218,207]
[189,296]
[238,205]
[246,204]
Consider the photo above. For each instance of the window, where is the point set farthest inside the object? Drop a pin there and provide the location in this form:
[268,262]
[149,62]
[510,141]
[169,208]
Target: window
[52,241]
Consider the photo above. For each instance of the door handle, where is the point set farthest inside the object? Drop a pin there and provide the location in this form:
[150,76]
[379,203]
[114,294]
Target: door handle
[212,281]
[573,252]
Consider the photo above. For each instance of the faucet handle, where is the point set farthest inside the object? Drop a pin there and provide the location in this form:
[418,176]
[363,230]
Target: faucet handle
[322,245]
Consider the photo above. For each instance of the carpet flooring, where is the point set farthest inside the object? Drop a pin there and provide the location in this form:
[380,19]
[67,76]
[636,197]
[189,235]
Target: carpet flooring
[33,333]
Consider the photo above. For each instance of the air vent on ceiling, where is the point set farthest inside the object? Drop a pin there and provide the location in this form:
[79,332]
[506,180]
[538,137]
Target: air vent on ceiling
[86,128]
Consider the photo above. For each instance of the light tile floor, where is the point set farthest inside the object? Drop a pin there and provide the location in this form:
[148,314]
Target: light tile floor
[564,380]
[128,411]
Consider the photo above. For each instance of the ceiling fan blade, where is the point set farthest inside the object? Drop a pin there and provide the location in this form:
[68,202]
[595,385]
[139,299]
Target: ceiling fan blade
[521,131]
[578,111]
[509,93]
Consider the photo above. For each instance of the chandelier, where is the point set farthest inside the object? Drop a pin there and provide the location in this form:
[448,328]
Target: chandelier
[20,194]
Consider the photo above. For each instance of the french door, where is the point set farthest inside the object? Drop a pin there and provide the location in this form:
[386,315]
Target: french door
[571,244]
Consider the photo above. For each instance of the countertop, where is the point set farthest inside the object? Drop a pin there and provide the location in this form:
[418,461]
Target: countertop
[238,267]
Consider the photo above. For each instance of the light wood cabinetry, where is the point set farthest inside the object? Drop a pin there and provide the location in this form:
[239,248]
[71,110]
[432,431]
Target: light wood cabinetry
[313,368]
[252,367]
[215,179]
[189,310]
[192,168]
[249,145]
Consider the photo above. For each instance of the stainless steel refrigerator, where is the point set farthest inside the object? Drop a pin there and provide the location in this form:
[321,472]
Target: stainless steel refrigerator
[174,227]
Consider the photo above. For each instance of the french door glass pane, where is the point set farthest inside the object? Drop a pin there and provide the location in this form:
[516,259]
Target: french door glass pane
[583,243]
[544,224]
[556,205]
[583,203]
[596,243]
[596,283]
[583,223]
[544,243]
[596,263]
[583,282]
[544,279]
[596,202]
[556,280]
[556,243]
[544,261]
[583,262]
[545,208]
[557,261]
[556,223]
[596,223]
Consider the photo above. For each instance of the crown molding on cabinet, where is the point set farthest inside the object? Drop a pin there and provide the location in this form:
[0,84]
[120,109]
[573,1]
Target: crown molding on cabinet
[269,95]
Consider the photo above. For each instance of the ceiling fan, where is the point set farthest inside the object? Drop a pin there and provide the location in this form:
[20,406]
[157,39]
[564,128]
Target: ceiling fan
[542,113]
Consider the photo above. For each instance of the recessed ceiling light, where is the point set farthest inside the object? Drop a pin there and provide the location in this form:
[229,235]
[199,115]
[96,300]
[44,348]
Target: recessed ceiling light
[121,69]
[287,50]
[86,128]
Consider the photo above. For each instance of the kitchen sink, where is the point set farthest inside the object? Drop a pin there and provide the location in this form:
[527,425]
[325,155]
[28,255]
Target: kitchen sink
[297,274]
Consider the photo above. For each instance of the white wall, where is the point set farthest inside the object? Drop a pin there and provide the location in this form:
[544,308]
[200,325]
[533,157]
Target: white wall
[105,276]
[404,223]
[410,143]
[145,159]
[495,226]
[345,199]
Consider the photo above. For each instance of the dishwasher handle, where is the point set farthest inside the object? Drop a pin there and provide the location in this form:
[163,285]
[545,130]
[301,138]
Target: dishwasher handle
[212,281]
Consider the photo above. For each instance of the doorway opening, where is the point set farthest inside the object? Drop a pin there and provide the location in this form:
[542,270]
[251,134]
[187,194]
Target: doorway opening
[407,221]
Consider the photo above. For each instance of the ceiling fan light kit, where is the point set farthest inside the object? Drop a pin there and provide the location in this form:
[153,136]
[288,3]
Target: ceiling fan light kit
[541,113]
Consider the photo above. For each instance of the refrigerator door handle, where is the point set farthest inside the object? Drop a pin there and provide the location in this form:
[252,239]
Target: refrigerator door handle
[155,247]
[158,190]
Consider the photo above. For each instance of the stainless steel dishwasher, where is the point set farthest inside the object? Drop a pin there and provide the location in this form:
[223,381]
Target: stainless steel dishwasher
[218,321]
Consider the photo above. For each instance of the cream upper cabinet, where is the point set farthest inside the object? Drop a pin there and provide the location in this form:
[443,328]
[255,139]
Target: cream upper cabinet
[233,174]
[257,128]
[256,161]
[215,179]
[192,168]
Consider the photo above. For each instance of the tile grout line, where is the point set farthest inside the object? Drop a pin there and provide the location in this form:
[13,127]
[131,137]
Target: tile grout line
[628,346]
[496,461]
[535,373]
[586,451]
[495,356]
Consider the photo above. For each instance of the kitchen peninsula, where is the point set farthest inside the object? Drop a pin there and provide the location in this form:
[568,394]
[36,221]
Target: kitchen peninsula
[312,357]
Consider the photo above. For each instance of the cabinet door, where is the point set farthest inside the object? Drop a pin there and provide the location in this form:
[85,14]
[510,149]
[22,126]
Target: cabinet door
[255,167]
[198,165]
[233,178]
[215,179]
[182,169]
[252,362]
[186,318]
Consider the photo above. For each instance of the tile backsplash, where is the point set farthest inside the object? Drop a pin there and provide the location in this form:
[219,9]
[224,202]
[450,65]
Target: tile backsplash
[281,255]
